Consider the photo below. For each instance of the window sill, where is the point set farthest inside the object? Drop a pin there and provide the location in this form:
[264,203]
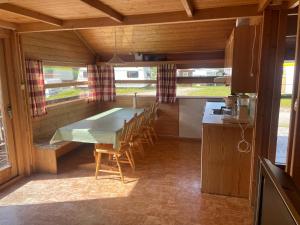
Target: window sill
[178,97]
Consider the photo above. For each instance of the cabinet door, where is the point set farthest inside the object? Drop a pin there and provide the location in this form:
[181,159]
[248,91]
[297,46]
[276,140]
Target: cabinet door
[245,58]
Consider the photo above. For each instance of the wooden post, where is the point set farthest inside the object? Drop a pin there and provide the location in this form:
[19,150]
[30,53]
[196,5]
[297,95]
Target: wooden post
[280,52]
[268,86]
[293,167]
[19,101]
[294,97]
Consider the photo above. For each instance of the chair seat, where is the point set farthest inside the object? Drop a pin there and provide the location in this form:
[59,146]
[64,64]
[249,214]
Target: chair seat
[108,151]
[108,148]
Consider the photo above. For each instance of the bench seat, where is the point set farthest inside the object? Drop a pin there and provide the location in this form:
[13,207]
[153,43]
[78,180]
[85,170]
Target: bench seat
[46,154]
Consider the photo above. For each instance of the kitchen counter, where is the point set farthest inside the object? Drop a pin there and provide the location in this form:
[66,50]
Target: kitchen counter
[214,119]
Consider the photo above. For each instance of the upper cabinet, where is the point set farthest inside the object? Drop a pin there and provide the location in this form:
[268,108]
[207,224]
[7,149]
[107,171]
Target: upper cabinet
[241,56]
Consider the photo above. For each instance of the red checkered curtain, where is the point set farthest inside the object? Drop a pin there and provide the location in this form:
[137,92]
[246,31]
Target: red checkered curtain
[36,86]
[101,82]
[166,83]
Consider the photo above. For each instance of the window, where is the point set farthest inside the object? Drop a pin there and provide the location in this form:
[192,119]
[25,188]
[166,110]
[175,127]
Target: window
[285,112]
[64,83]
[202,82]
[130,80]
[203,72]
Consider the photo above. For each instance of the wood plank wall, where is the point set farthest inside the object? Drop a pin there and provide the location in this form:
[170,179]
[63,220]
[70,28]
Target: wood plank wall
[56,46]
[168,114]
[61,115]
[60,48]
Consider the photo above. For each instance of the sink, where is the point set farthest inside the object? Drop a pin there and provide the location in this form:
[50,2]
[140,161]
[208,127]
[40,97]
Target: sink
[222,111]
[217,111]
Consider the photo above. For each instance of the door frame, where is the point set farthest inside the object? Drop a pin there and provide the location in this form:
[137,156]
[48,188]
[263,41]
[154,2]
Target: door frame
[19,97]
[11,170]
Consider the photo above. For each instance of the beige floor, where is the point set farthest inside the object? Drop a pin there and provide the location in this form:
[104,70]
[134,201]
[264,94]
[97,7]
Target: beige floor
[165,189]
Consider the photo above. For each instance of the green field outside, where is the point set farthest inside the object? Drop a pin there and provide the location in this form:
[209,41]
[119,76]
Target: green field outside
[182,90]
[285,103]
[65,94]
[209,91]
[204,91]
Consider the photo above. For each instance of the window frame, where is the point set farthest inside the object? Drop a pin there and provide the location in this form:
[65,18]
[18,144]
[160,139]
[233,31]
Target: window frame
[196,80]
[135,81]
[179,80]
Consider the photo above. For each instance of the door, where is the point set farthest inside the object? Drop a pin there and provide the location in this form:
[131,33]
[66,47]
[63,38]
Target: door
[8,163]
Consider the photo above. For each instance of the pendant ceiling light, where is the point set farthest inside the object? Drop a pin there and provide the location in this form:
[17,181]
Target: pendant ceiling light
[115,60]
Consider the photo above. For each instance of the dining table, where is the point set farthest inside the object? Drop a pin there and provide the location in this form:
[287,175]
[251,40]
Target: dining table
[103,128]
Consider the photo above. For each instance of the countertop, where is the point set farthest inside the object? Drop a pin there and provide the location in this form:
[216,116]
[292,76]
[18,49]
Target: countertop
[212,119]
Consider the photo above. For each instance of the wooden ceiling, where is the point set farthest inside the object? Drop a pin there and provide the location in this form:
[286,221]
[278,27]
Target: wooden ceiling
[156,26]
[60,9]
[76,9]
[168,38]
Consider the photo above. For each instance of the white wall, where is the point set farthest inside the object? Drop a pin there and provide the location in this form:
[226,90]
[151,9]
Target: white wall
[190,117]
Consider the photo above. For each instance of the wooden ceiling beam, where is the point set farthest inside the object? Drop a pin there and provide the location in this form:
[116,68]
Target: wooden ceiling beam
[293,4]
[203,15]
[111,13]
[263,4]
[187,4]
[31,14]
[8,25]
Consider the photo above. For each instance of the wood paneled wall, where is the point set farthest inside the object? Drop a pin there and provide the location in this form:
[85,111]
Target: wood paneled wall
[61,115]
[56,46]
[59,48]
[168,114]
[168,123]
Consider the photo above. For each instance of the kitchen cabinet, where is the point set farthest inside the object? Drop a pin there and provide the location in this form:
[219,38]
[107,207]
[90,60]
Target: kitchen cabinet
[241,57]
[225,170]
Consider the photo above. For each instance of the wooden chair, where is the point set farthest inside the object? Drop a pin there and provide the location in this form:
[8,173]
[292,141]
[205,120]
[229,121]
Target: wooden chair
[148,126]
[153,115]
[144,126]
[123,153]
[138,137]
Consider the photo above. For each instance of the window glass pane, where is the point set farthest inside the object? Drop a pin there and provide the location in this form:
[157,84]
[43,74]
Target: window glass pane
[60,74]
[64,74]
[135,74]
[54,95]
[202,72]
[285,112]
[203,90]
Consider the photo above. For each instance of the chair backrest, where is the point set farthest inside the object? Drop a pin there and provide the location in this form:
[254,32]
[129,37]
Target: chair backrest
[147,116]
[154,108]
[127,131]
[139,123]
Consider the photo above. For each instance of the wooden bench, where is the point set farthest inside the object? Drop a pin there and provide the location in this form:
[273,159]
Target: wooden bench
[46,154]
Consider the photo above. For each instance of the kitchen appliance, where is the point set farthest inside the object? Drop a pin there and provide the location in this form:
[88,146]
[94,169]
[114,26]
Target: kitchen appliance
[230,101]
[243,108]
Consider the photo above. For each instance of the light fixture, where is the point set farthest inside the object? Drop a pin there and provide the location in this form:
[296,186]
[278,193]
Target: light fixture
[116,59]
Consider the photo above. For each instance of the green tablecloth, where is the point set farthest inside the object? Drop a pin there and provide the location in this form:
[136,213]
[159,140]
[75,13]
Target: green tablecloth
[101,128]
